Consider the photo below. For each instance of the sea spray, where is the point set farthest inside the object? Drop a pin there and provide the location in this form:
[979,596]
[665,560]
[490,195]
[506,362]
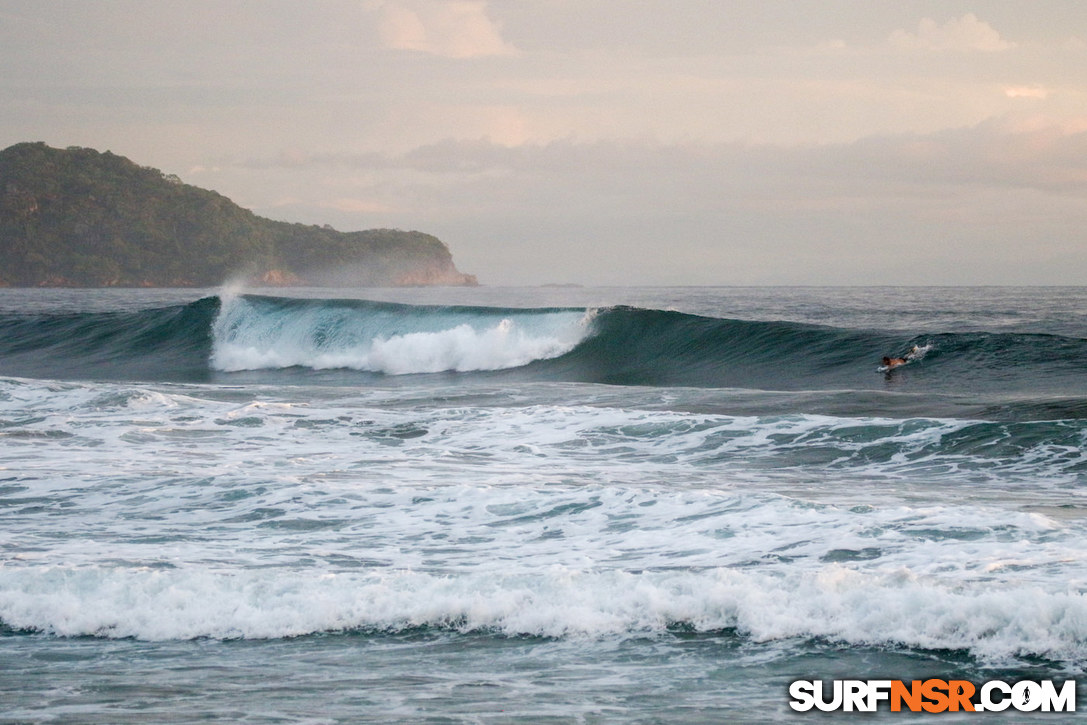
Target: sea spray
[891,608]
[253,333]
[241,337]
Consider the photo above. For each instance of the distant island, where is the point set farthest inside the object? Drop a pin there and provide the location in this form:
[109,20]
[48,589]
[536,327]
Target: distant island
[79,218]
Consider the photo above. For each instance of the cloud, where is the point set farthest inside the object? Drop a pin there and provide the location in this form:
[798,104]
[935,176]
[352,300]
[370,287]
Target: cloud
[1014,151]
[1023,153]
[1026,92]
[884,209]
[449,28]
[964,34]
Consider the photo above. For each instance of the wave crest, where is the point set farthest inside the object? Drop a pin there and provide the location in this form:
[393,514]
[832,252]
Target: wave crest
[888,609]
[253,333]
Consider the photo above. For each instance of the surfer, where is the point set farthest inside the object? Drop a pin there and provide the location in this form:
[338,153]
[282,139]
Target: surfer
[890,363]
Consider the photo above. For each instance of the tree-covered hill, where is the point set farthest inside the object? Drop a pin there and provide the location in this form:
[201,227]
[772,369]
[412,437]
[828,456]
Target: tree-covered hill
[81,218]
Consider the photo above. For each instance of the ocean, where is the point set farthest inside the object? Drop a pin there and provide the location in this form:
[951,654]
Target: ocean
[544,505]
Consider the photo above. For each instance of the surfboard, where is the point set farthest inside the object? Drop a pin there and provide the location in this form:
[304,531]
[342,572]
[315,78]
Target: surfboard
[915,353]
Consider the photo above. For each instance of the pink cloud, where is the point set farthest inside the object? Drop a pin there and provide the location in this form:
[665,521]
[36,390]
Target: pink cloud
[967,33]
[454,29]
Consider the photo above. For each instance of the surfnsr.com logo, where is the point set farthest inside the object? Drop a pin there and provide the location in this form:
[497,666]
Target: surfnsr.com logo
[933,695]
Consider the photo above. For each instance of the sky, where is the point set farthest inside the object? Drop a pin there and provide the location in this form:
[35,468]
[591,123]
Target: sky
[611,142]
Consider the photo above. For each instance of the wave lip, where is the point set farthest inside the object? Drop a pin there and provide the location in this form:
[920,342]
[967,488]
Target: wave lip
[259,333]
[170,343]
[996,375]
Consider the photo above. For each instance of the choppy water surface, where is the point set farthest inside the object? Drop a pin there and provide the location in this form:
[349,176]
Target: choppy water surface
[538,505]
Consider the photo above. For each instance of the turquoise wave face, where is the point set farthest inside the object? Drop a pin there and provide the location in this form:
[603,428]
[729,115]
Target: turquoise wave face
[360,342]
[169,343]
[256,333]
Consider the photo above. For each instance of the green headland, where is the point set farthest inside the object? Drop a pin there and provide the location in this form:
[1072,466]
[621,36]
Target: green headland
[80,218]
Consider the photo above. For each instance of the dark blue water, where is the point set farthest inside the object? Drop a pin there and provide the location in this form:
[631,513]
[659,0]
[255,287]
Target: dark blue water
[1025,368]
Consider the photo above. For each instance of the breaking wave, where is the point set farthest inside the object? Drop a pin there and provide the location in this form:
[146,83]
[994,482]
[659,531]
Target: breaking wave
[366,341]
[253,333]
[837,603]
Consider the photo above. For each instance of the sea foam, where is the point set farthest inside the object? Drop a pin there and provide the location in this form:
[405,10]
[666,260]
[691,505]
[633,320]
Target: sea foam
[835,603]
[206,511]
[249,335]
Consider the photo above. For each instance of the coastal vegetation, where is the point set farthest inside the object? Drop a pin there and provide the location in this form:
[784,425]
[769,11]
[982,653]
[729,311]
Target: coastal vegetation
[80,218]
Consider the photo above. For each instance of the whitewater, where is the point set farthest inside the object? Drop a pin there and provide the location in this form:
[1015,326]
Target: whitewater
[533,505]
